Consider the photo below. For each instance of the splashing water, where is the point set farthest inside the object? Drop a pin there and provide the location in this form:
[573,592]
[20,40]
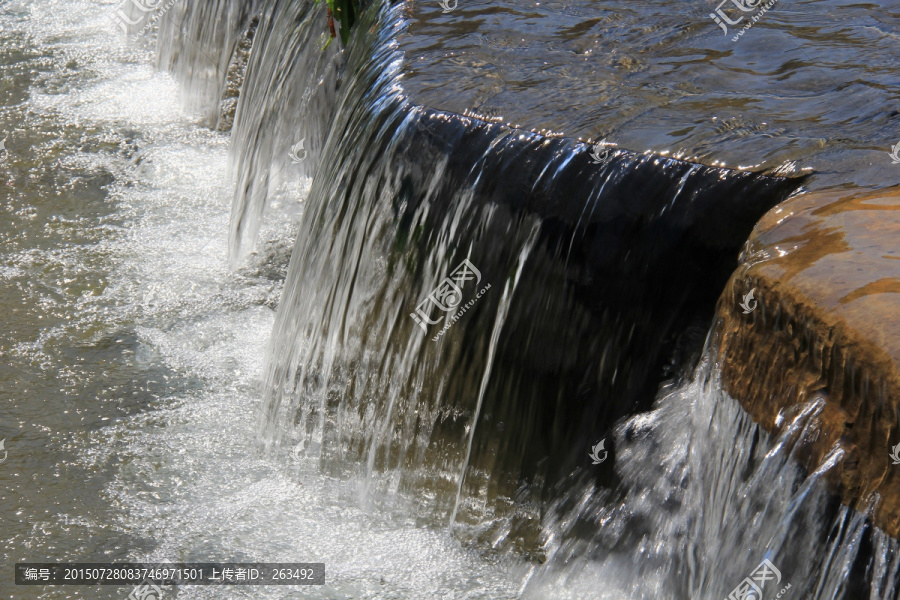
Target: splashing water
[706,496]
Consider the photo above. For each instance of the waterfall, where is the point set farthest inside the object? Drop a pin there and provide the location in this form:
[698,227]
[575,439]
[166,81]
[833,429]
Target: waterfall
[706,496]
[287,99]
[470,307]
[196,43]
[616,269]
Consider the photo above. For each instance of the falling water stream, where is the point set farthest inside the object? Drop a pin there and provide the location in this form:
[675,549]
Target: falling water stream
[208,354]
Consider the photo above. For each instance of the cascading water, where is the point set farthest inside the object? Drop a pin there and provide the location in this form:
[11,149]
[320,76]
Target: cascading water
[706,496]
[471,422]
[582,285]
[286,104]
[196,43]
[588,304]
[479,420]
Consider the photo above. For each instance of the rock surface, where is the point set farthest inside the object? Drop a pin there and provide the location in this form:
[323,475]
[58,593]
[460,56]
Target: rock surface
[825,270]
[237,68]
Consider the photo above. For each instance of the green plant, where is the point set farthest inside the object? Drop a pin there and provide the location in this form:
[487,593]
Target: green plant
[345,12]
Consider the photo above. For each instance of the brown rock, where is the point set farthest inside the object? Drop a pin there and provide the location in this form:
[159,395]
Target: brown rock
[826,272]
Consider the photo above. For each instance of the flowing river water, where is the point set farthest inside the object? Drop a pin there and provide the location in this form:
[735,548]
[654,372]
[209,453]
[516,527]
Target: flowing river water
[159,403]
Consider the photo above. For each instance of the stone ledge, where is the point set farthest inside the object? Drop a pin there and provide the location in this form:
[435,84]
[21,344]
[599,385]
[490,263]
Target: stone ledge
[826,272]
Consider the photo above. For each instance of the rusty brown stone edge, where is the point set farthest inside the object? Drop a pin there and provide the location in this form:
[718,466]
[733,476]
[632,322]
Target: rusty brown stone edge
[789,349]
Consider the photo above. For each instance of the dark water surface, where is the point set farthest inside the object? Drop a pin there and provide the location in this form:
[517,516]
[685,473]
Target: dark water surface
[812,81]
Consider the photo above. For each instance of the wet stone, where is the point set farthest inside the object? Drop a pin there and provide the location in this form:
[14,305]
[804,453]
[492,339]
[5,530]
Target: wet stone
[825,271]
[234,79]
